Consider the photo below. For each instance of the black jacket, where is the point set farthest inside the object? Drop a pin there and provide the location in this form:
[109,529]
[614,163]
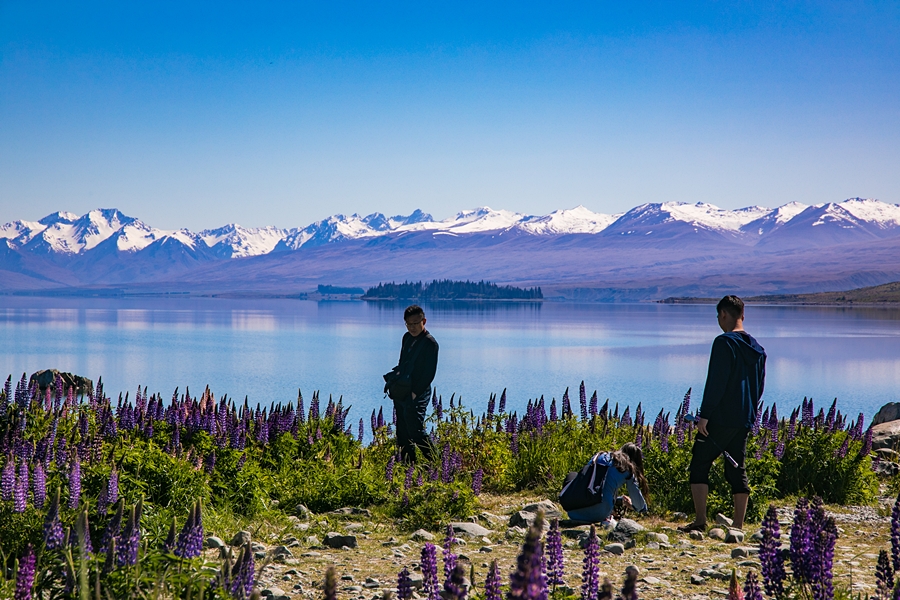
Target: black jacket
[426,357]
[734,384]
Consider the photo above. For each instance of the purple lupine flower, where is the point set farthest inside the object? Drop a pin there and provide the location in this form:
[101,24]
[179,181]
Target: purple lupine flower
[626,421]
[454,586]
[629,587]
[39,485]
[528,582]
[83,538]
[362,430]
[477,480]
[822,583]
[555,565]
[582,400]
[329,590]
[112,527]
[491,405]
[592,410]
[130,540]
[25,575]
[450,558]
[895,535]
[884,575]
[751,587]
[439,409]
[841,452]
[190,540]
[492,583]
[389,470]
[779,450]
[502,407]
[210,462]
[53,530]
[566,405]
[553,416]
[404,585]
[244,573]
[408,480]
[429,572]
[829,420]
[110,493]
[74,482]
[770,555]
[8,478]
[20,489]
[867,444]
[800,543]
[858,430]
[590,574]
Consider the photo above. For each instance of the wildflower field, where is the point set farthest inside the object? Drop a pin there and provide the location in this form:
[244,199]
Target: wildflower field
[113,498]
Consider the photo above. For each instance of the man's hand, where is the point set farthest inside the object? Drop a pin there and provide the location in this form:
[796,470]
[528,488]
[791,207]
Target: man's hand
[701,426]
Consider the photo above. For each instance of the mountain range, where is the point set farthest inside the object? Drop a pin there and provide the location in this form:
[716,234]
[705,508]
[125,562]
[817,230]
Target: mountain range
[651,251]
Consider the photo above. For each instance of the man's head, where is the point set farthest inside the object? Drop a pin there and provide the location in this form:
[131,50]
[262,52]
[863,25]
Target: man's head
[730,311]
[415,319]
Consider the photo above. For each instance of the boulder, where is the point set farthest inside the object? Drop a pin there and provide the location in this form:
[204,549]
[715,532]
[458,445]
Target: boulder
[473,530]
[239,539]
[349,511]
[550,510]
[523,518]
[422,536]
[886,435]
[302,512]
[617,549]
[660,538]
[888,412]
[214,542]
[47,379]
[717,533]
[734,536]
[723,520]
[628,527]
[337,540]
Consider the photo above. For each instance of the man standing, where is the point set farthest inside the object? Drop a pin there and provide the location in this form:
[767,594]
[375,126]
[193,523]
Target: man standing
[734,385]
[414,373]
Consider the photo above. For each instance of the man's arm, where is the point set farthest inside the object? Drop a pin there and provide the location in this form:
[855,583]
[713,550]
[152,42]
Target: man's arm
[721,359]
[426,368]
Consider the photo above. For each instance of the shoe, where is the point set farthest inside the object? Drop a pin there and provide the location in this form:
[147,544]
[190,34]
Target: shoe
[693,527]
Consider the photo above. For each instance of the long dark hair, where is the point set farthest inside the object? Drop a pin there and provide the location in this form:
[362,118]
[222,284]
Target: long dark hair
[630,459]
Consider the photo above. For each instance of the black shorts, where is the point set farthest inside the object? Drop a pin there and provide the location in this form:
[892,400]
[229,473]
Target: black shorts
[707,449]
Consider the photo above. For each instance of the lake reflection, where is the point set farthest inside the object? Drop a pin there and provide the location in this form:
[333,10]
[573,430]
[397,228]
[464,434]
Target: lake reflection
[268,349]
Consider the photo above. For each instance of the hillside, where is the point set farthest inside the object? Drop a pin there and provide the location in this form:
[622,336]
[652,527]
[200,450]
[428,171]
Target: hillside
[888,293]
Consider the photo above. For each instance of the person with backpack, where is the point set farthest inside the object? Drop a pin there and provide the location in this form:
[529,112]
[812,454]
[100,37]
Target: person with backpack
[589,495]
[409,383]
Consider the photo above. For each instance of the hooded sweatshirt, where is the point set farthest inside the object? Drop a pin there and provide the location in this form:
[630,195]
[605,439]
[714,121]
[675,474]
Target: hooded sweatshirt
[734,384]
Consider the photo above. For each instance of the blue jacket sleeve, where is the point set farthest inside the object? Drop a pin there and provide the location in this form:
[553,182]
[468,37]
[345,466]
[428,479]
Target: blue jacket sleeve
[721,362]
[634,492]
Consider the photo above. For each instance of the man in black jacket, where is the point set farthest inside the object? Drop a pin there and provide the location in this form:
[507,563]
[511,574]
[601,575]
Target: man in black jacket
[418,359]
[734,386]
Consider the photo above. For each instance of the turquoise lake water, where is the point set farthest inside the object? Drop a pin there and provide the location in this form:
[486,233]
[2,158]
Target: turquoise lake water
[268,349]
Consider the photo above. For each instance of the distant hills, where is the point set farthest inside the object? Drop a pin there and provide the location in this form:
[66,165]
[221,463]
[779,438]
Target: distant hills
[652,251]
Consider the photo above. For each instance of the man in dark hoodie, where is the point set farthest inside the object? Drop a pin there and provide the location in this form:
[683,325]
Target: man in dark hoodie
[418,365]
[734,386]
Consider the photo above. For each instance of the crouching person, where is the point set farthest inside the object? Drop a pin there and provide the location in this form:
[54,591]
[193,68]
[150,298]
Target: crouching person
[589,495]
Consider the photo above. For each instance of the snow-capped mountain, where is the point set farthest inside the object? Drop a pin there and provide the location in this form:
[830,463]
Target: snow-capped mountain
[339,227]
[573,220]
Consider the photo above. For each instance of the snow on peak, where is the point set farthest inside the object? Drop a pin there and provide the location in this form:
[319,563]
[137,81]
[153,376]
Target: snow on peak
[244,241]
[476,220]
[713,217]
[572,220]
[880,214]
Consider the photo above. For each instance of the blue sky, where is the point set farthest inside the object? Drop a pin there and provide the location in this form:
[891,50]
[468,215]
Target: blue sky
[197,114]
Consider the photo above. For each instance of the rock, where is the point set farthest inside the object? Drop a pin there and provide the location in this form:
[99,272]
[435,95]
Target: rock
[885,435]
[417,580]
[652,546]
[311,554]
[214,542]
[658,537]
[523,518]
[485,549]
[740,552]
[617,549]
[337,540]
[469,529]
[630,544]
[257,547]
[633,571]
[750,563]
[515,532]
[353,588]
[421,535]
[573,534]
[282,552]
[312,540]
[349,511]
[353,527]
[717,533]
[47,379]
[550,510]
[628,527]
[651,580]
[888,412]
[695,535]
[490,517]
[698,580]
[723,520]
[757,537]
[346,577]
[679,516]
[239,539]
[734,536]
[275,593]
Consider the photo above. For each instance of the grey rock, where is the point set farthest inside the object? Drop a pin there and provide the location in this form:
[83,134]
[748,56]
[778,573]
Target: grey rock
[750,563]
[485,549]
[550,510]
[346,577]
[652,546]
[651,580]
[698,579]
[515,532]
[282,552]
[523,518]
[469,529]
[734,536]
[679,516]
[274,593]
[302,512]
[257,547]
[349,511]
[888,412]
[422,536]
[259,555]
[658,537]
[717,533]
[630,544]
[353,588]
[628,527]
[490,517]
[311,554]
[240,538]
[337,540]
[617,549]
[417,580]
[214,542]
[695,535]
[740,552]
[723,520]
[312,540]
[353,527]
[757,536]
[573,534]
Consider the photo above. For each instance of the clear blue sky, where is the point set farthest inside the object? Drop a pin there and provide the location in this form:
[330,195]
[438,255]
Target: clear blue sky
[198,114]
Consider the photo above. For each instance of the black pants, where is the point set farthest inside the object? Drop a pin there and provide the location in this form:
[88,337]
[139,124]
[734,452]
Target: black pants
[707,449]
[411,425]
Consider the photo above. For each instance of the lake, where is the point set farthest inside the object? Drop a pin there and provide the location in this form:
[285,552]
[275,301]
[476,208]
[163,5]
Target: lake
[268,349]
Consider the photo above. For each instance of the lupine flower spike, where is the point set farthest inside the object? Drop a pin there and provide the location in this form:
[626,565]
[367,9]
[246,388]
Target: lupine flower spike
[590,573]
[751,587]
[404,585]
[25,575]
[528,582]
[492,583]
